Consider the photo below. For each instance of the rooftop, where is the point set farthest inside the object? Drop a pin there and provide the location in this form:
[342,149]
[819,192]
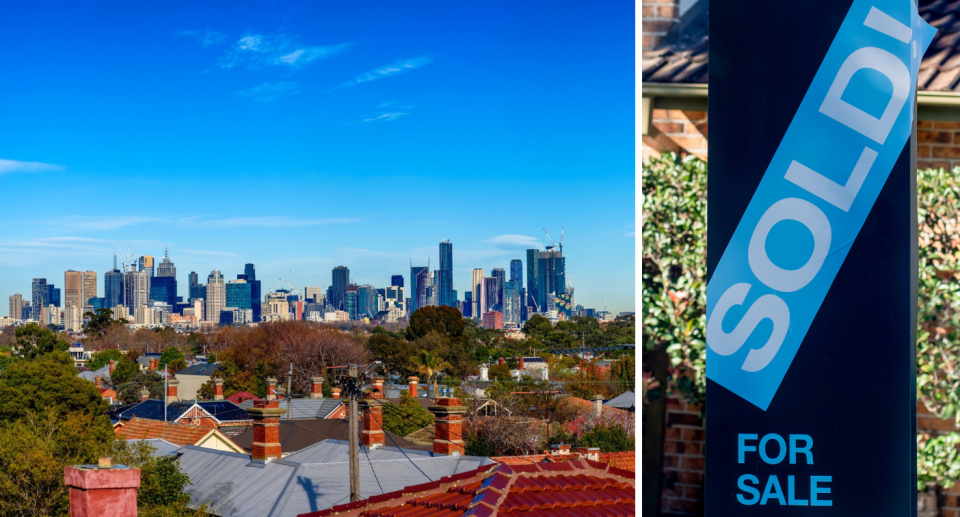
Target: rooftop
[222,410]
[205,369]
[297,435]
[304,408]
[177,434]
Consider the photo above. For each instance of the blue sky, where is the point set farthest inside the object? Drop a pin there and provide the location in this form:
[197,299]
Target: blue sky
[305,135]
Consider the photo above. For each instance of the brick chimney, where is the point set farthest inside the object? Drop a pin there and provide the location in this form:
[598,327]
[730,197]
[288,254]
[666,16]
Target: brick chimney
[591,453]
[501,361]
[484,372]
[316,387]
[172,390]
[560,449]
[377,391]
[113,364]
[266,431]
[521,364]
[448,421]
[102,490]
[658,17]
[217,389]
[96,381]
[271,388]
[597,405]
[144,394]
[371,435]
[412,386]
[335,392]
[154,364]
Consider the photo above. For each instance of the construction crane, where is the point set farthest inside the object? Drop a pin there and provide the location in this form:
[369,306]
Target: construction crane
[554,244]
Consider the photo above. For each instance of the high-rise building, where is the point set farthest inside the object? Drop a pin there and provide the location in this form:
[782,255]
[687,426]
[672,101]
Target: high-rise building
[511,302]
[419,283]
[489,294]
[393,298]
[367,301]
[467,304]
[16,306]
[550,275]
[250,271]
[476,284]
[89,287]
[164,289]
[313,293]
[516,272]
[72,289]
[532,262]
[39,295]
[113,286]
[351,301]
[216,295]
[136,289]
[146,264]
[238,295]
[27,311]
[501,277]
[396,281]
[445,282]
[197,290]
[338,288]
[53,295]
[72,317]
[166,267]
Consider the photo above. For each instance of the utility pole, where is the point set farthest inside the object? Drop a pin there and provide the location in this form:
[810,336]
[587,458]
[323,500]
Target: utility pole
[289,389]
[166,375]
[354,430]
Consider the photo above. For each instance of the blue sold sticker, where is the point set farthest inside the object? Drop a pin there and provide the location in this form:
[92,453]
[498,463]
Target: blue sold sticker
[814,197]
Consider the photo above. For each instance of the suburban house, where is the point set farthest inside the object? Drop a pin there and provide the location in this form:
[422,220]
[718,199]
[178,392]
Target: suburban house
[178,434]
[209,413]
[674,118]
[193,377]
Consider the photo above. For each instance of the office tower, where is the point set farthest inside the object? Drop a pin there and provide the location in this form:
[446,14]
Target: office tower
[393,298]
[146,264]
[419,282]
[197,290]
[73,289]
[396,281]
[238,295]
[467,310]
[89,287]
[367,301]
[338,288]
[166,267]
[313,294]
[351,301]
[516,272]
[164,289]
[532,263]
[216,295]
[136,289]
[38,296]
[27,311]
[113,286]
[550,275]
[250,271]
[72,315]
[511,302]
[500,275]
[476,284]
[16,306]
[446,274]
[53,295]
[489,294]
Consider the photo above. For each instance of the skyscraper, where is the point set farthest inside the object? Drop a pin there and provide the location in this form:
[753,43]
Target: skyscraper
[468,304]
[396,281]
[314,294]
[89,287]
[146,264]
[39,295]
[197,291]
[255,296]
[500,275]
[367,301]
[53,295]
[113,286]
[166,267]
[238,295]
[136,289]
[216,295]
[351,301]
[550,275]
[511,302]
[16,306]
[490,298]
[72,289]
[446,274]
[419,282]
[338,288]
[164,289]
[477,285]
[516,272]
[532,296]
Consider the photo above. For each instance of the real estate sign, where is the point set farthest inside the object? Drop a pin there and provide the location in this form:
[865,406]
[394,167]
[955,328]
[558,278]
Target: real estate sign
[812,257]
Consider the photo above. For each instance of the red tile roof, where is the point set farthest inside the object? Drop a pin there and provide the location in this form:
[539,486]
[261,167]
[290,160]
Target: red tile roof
[242,396]
[621,460]
[177,434]
[571,488]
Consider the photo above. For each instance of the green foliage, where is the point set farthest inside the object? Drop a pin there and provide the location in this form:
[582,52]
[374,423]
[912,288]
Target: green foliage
[499,372]
[169,355]
[444,320]
[674,241]
[479,446]
[938,460]
[406,417]
[123,371]
[613,438]
[429,365]
[395,353]
[176,365]
[100,359]
[100,321]
[623,372]
[162,482]
[49,382]
[537,327]
[129,392]
[33,341]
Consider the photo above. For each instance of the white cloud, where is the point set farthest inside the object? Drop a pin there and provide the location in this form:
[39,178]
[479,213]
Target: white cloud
[258,50]
[7,166]
[206,37]
[395,68]
[305,56]
[383,117]
[514,241]
[269,92]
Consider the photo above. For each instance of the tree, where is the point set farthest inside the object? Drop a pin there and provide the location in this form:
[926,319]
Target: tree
[33,341]
[406,417]
[123,371]
[609,438]
[176,365]
[623,374]
[537,327]
[430,365]
[129,391]
[161,480]
[396,353]
[445,320]
[100,359]
[169,355]
[49,382]
[98,322]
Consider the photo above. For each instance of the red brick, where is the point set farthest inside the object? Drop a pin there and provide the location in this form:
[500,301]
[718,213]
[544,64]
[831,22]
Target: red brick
[946,125]
[673,447]
[691,492]
[668,11]
[944,512]
[648,10]
[923,151]
[671,461]
[693,435]
[948,500]
[946,152]
[934,137]
[649,41]
[657,26]
[683,506]
[692,478]
[682,419]
[933,165]
[921,124]
[691,463]
[670,127]
[935,424]
[691,448]
[675,404]
[696,142]
[661,114]
[696,408]
[674,433]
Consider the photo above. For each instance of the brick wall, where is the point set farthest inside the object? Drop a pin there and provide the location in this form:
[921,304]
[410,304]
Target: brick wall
[938,144]
[657,17]
[678,131]
[683,459]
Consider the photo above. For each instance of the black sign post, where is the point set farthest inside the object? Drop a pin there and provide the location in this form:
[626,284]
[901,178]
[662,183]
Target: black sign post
[839,434]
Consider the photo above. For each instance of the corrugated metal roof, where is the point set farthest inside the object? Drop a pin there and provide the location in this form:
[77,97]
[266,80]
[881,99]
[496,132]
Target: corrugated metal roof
[91,375]
[334,451]
[302,409]
[627,401]
[161,447]
[204,369]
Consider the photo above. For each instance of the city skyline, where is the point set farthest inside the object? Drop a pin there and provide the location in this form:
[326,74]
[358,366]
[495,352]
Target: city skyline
[300,137]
